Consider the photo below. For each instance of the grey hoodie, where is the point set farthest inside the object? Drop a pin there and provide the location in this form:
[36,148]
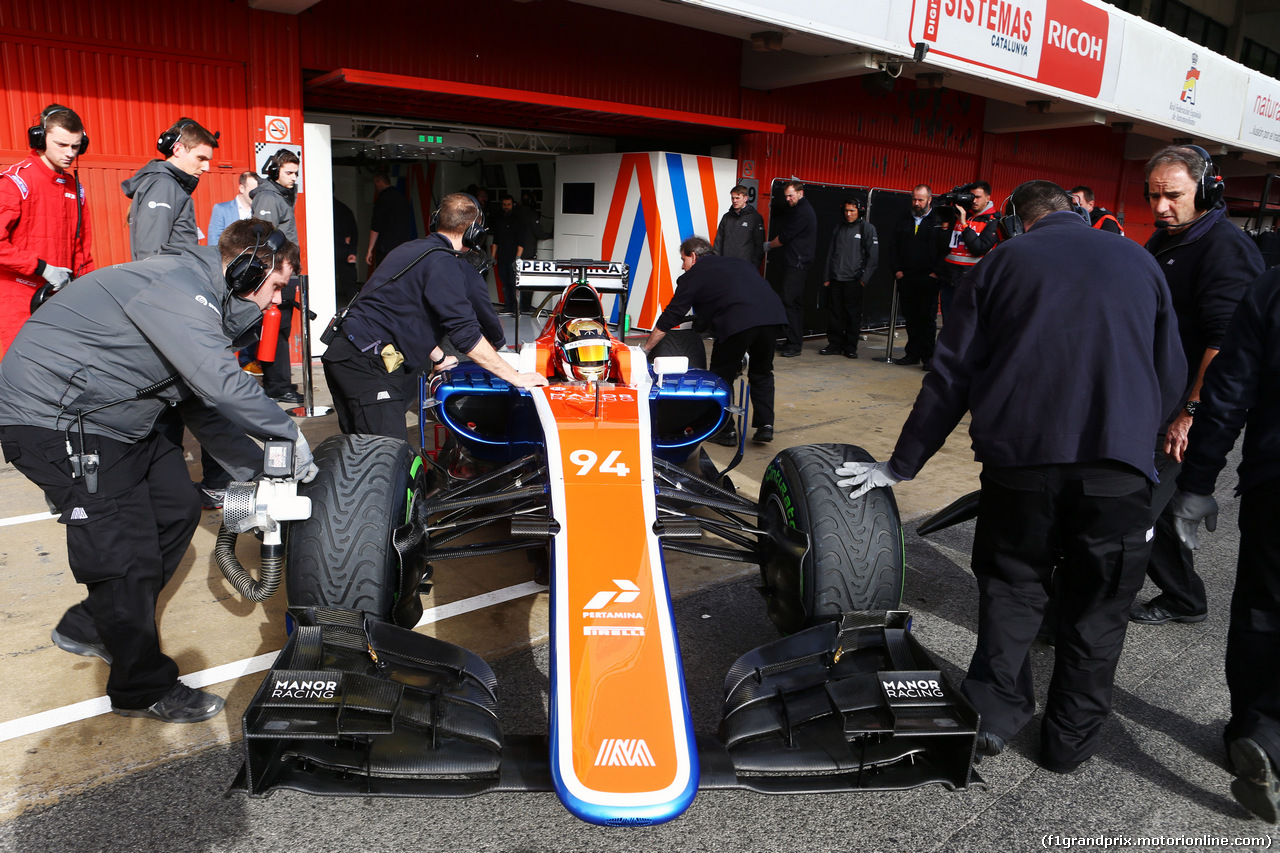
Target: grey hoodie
[162,217]
[274,204]
[123,328]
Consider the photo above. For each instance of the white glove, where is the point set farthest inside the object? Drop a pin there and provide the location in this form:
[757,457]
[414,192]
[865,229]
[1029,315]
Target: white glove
[865,476]
[304,466]
[1188,511]
[57,276]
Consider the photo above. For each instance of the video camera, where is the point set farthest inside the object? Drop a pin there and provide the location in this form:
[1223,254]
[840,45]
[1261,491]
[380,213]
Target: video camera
[959,195]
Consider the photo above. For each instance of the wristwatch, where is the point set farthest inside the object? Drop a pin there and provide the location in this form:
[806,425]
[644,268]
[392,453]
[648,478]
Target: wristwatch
[1191,407]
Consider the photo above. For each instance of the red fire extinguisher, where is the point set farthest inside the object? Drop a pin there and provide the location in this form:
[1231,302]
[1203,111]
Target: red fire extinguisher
[270,333]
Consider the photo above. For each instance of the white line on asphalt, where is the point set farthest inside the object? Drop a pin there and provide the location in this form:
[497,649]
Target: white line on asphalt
[23,519]
[46,720]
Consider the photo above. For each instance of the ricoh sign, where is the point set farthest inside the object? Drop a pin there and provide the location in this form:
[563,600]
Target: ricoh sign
[1059,43]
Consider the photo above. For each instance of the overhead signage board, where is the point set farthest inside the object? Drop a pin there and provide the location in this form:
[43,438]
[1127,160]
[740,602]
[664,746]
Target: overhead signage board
[1060,43]
[1261,124]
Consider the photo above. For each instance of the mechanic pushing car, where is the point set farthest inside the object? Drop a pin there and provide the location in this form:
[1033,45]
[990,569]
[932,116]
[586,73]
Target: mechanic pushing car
[1066,370]
[422,291]
[744,314]
[80,392]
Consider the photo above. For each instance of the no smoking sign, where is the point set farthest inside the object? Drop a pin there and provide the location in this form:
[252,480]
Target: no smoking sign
[279,129]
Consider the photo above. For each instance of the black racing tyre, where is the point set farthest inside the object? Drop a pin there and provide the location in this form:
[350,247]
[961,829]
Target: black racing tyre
[682,342]
[343,555]
[855,559]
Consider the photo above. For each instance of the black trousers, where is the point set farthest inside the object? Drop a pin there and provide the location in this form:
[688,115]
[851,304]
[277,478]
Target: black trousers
[844,300]
[793,281]
[367,399]
[1172,566]
[124,543]
[726,362]
[918,304]
[507,272]
[277,375]
[1096,516]
[1253,638]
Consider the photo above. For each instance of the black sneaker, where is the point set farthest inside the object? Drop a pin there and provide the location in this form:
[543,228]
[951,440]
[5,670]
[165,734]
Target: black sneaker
[763,434]
[289,397]
[1256,786]
[80,647]
[182,704]
[210,498]
[829,349]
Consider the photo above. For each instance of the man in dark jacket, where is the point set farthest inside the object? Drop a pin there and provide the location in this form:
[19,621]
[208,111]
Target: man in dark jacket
[513,240]
[162,216]
[744,314]
[1066,369]
[273,202]
[1207,262]
[424,291]
[919,249]
[798,236]
[73,422]
[851,261]
[741,230]
[392,222]
[1241,390]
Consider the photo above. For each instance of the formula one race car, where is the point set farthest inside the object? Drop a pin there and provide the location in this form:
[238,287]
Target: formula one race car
[359,704]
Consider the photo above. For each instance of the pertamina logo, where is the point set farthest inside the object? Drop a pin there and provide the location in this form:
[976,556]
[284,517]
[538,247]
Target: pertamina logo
[626,593]
[624,752]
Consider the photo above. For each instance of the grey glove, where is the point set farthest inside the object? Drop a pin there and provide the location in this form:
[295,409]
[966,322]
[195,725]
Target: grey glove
[1188,511]
[57,276]
[304,465]
[865,476]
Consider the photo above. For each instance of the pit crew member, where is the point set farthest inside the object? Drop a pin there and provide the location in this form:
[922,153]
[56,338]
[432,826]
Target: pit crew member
[162,216]
[741,230]
[1066,369]
[273,202]
[44,220]
[1099,216]
[744,315]
[414,300]
[799,239]
[1207,263]
[851,260]
[78,407]
[1241,389]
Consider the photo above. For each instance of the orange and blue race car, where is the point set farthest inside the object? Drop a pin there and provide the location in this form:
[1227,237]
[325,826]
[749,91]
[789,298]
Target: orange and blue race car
[595,477]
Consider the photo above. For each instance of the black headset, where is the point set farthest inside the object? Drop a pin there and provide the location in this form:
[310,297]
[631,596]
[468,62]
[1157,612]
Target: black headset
[246,273]
[271,168]
[170,137]
[1010,224]
[1209,188]
[36,135]
[475,231]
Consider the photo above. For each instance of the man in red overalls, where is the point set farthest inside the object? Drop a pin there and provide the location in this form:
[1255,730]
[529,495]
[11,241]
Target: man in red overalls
[44,223]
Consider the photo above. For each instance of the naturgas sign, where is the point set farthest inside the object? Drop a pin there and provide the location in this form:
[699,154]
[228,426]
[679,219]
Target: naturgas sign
[1260,126]
[1059,43]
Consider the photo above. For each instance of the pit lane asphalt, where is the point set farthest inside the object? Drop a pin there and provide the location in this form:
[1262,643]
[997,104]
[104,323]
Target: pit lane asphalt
[1159,772]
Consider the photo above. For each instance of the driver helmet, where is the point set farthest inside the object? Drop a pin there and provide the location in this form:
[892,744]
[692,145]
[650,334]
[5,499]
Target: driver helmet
[584,349]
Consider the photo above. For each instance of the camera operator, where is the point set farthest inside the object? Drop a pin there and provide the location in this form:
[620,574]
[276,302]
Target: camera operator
[80,393]
[972,235]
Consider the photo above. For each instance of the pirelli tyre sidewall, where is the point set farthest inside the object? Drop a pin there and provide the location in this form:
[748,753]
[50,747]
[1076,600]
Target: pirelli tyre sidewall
[343,555]
[685,342]
[855,559]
